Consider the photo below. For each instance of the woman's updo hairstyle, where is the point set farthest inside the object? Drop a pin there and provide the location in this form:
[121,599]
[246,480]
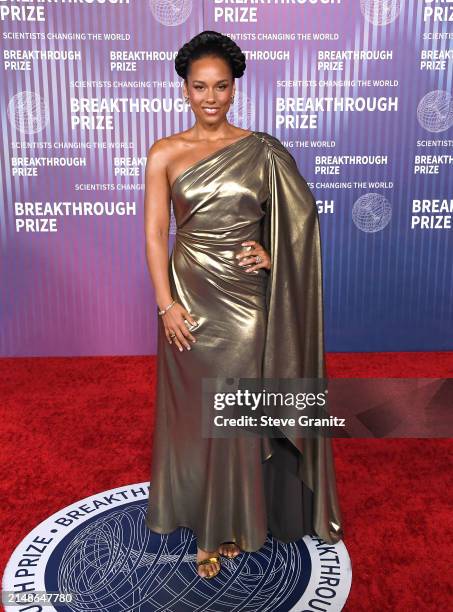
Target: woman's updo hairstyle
[210,43]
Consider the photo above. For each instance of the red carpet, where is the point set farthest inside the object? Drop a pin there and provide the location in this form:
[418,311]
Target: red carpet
[72,427]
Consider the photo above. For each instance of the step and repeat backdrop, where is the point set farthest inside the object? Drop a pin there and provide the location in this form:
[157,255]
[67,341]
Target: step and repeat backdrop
[360,92]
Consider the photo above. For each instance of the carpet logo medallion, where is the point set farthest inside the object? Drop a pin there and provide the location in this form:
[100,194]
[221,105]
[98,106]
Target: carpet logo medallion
[99,555]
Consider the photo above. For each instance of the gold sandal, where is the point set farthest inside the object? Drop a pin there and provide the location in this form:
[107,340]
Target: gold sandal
[231,556]
[214,559]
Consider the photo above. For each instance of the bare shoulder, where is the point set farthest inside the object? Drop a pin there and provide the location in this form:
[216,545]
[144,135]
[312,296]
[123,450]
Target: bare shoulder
[165,150]
[159,152]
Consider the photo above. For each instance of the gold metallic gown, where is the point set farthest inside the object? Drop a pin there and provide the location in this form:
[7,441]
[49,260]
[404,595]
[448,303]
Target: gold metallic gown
[265,325]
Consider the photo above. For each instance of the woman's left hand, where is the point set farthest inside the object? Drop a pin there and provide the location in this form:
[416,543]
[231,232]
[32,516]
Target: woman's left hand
[248,256]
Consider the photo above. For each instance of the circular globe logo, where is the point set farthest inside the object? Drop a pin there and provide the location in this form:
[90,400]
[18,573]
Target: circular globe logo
[435,111]
[171,12]
[371,212]
[28,112]
[98,554]
[242,110]
[380,12]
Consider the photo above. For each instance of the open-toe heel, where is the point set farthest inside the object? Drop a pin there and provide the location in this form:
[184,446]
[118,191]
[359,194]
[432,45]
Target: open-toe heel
[214,559]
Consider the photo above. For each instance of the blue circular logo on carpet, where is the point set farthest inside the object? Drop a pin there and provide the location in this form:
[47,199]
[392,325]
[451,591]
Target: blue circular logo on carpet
[98,554]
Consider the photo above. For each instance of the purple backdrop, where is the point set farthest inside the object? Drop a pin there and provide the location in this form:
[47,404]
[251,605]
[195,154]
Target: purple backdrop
[360,92]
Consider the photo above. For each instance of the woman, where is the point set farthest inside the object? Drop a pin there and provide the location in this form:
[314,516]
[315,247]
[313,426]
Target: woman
[241,297]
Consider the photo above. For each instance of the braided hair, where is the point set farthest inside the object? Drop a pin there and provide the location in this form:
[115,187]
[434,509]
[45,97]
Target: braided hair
[213,44]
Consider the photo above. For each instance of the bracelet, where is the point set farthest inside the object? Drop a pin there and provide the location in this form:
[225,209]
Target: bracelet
[162,312]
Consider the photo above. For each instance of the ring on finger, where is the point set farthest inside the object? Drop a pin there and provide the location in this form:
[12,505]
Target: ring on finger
[258,259]
[172,335]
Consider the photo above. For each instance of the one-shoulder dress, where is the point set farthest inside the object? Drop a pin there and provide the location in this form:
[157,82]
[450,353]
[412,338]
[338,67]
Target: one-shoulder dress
[265,325]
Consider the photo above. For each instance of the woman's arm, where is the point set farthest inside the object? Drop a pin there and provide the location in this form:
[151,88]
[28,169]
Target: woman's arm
[157,220]
[157,224]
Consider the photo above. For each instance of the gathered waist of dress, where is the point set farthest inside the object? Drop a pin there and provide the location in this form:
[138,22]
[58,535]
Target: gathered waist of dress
[222,239]
[215,255]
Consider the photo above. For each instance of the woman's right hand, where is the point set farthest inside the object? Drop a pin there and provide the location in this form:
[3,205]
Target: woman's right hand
[173,321]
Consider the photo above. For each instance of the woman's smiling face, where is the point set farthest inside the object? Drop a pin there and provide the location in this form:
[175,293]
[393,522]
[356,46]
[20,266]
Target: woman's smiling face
[210,87]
